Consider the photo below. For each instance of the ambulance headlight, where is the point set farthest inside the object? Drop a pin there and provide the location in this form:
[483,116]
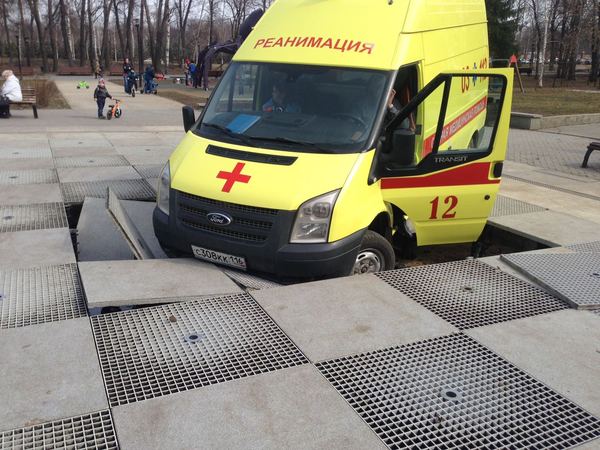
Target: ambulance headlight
[313,219]
[164,185]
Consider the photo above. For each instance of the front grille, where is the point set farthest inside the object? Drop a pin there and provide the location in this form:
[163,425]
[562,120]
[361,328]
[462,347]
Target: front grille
[249,223]
[230,206]
[201,213]
[225,232]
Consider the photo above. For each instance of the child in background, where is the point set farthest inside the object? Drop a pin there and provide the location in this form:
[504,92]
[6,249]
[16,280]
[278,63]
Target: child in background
[100,95]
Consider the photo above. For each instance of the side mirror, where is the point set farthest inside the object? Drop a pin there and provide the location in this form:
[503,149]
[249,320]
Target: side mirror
[189,117]
[403,146]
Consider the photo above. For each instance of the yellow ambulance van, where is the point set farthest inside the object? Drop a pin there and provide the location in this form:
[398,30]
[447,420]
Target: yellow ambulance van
[341,130]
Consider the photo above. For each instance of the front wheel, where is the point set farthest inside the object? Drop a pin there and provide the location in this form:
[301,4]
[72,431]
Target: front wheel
[375,255]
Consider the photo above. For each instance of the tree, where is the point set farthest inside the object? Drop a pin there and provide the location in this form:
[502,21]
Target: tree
[502,28]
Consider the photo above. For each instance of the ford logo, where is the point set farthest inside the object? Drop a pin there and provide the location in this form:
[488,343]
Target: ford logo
[219,219]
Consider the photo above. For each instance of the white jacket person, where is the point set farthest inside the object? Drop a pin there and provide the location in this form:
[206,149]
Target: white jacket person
[11,87]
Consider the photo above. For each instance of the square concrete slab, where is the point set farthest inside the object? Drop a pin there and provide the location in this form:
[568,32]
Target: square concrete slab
[151,281]
[289,408]
[74,174]
[561,349]
[49,371]
[344,316]
[27,194]
[549,227]
[27,164]
[36,248]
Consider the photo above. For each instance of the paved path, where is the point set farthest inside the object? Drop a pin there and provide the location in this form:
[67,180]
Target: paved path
[461,354]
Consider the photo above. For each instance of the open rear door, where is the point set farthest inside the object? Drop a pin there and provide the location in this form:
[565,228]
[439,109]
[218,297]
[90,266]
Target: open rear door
[441,158]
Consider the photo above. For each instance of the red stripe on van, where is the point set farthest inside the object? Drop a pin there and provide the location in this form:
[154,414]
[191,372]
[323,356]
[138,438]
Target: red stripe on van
[456,125]
[476,173]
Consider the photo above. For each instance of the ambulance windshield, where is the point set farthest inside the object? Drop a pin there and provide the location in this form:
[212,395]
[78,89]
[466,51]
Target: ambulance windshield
[295,107]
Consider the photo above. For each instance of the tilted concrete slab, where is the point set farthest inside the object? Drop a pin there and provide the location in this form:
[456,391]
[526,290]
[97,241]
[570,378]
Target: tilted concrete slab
[561,349]
[74,174]
[49,371]
[98,238]
[28,194]
[151,281]
[549,227]
[345,316]
[36,248]
[140,214]
[289,408]
[497,262]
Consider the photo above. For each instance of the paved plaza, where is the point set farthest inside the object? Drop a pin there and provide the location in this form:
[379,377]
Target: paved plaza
[495,352]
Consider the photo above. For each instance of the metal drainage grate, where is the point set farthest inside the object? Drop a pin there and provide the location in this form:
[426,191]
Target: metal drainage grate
[92,431]
[150,352]
[451,392]
[586,247]
[470,293]
[76,192]
[149,170]
[38,152]
[39,295]
[573,277]
[91,161]
[249,281]
[34,176]
[33,217]
[506,206]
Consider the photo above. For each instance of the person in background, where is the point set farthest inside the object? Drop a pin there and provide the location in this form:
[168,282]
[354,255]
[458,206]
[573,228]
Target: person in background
[11,92]
[127,67]
[193,69]
[100,95]
[186,69]
[97,70]
[148,79]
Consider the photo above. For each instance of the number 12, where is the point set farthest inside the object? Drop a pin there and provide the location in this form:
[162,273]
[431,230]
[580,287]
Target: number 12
[450,213]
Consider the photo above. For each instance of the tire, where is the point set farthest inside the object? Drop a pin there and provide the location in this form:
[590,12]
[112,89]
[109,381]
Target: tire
[375,255]
[109,115]
[117,113]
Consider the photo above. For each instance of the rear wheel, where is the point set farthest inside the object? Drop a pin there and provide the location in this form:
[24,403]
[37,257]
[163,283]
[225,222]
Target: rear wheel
[375,255]
[117,113]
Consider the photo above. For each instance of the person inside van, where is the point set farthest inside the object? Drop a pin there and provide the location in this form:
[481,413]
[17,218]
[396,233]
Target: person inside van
[279,101]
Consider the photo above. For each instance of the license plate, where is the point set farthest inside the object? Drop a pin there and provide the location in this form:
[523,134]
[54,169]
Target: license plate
[220,258]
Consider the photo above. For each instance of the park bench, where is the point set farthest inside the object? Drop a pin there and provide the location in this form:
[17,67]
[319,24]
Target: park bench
[593,146]
[29,98]
[75,70]
[25,71]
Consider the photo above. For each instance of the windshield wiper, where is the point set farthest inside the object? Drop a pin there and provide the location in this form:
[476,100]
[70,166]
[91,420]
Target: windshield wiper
[228,132]
[285,140]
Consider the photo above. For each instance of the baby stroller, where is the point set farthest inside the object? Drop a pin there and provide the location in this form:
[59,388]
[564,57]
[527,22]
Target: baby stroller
[131,83]
[150,86]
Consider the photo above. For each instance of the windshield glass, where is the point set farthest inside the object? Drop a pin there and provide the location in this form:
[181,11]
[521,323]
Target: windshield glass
[295,107]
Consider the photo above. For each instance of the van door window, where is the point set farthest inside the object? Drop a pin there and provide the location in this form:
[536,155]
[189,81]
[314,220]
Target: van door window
[454,121]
